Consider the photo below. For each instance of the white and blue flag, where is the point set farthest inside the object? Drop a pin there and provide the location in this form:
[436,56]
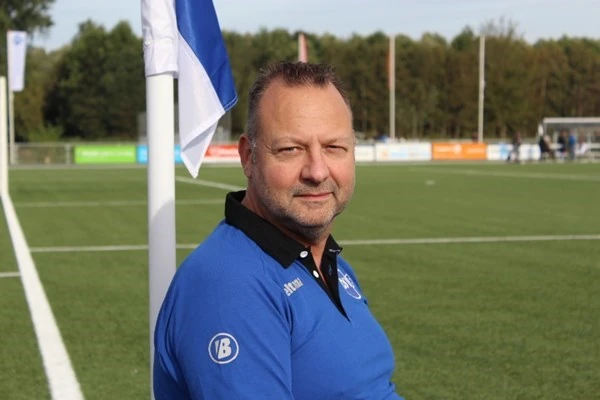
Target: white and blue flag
[16,43]
[183,37]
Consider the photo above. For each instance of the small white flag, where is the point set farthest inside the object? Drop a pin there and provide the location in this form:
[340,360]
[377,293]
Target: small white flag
[16,43]
[184,37]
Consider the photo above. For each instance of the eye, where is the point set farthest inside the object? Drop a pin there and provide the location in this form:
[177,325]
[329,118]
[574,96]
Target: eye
[336,149]
[288,150]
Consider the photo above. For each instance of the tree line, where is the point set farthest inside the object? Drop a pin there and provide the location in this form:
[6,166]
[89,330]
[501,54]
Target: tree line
[94,88]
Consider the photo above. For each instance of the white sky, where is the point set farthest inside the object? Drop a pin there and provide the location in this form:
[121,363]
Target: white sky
[535,18]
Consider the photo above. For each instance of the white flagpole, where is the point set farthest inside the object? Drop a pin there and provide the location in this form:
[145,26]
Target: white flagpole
[392,86]
[11,125]
[3,140]
[302,48]
[481,87]
[160,116]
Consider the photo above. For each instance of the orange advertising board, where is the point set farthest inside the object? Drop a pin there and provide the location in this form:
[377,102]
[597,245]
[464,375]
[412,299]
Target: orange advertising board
[222,150]
[222,153]
[458,151]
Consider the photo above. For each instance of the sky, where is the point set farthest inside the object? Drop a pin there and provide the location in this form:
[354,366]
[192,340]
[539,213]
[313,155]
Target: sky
[535,19]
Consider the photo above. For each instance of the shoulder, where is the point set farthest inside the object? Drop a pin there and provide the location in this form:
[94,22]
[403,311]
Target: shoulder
[227,265]
[226,260]
[228,281]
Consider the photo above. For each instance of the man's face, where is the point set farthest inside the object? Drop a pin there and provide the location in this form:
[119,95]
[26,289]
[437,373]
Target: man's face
[302,172]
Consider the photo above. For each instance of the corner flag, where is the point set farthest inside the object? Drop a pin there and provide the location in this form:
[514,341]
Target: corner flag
[16,44]
[184,37]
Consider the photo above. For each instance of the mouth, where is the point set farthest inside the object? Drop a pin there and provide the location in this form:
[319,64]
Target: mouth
[314,196]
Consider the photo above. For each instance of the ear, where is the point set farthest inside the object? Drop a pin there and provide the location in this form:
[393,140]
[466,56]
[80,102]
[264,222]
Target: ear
[245,152]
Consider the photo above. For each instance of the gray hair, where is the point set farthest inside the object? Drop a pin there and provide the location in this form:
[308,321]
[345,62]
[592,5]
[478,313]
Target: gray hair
[293,74]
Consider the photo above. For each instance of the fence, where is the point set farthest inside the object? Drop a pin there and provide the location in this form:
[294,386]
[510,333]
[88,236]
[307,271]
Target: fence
[131,153]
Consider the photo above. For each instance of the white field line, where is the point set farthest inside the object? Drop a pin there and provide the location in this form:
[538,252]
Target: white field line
[358,242]
[9,275]
[108,167]
[86,249]
[533,175]
[109,203]
[59,372]
[201,182]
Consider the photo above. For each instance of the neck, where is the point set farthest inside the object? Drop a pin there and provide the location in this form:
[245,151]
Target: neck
[316,244]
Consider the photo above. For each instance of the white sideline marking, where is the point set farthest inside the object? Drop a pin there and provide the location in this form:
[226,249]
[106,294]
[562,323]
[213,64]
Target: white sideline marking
[61,377]
[84,249]
[533,175]
[112,203]
[201,182]
[359,242]
[9,275]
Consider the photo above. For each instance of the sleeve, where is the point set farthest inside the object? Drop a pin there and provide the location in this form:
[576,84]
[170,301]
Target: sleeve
[224,337]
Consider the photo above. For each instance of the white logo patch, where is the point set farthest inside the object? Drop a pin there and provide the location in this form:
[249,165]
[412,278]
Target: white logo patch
[292,286]
[348,285]
[223,348]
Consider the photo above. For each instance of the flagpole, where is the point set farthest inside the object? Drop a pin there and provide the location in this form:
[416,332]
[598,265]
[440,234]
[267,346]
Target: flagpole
[3,140]
[160,117]
[11,102]
[11,125]
[392,86]
[302,48]
[481,88]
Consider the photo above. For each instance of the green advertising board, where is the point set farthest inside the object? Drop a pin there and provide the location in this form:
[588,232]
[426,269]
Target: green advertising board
[106,154]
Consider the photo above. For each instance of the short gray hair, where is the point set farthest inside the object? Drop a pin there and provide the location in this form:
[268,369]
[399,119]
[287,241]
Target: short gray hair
[292,74]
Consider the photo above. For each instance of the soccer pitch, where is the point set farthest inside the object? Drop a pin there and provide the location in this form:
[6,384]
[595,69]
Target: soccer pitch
[486,277]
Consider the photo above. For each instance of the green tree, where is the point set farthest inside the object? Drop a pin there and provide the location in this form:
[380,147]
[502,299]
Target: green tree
[507,79]
[29,104]
[99,86]
[462,84]
[123,82]
[32,16]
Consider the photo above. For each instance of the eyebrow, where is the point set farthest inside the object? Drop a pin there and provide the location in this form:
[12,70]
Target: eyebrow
[294,139]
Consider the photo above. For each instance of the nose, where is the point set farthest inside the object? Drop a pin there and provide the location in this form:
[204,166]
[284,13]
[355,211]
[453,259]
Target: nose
[315,167]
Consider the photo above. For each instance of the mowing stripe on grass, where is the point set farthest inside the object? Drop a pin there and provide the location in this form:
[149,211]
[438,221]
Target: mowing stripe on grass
[533,175]
[110,203]
[359,242]
[201,182]
[59,372]
[9,275]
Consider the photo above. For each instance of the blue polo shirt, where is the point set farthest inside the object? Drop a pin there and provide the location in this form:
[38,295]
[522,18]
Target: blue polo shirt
[248,316]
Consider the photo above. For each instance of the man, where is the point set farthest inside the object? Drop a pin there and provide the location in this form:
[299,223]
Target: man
[265,307]
[515,152]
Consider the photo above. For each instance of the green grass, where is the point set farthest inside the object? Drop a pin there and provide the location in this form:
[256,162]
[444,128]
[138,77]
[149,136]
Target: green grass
[21,371]
[505,320]
[7,256]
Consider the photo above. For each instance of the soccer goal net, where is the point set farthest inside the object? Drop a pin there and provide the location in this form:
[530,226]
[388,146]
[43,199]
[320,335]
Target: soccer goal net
[573,138]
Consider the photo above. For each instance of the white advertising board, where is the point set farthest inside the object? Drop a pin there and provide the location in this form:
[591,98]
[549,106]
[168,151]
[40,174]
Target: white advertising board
[364,152]
[403,151]
[499,152]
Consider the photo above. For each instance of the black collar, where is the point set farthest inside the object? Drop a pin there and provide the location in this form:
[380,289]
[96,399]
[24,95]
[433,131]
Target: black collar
[267,236]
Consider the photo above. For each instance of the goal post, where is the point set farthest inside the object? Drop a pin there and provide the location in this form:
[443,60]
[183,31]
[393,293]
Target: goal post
[586,131]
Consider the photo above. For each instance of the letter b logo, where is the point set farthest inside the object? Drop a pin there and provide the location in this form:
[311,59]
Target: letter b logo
[223,348]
